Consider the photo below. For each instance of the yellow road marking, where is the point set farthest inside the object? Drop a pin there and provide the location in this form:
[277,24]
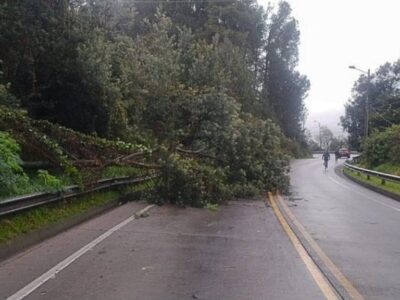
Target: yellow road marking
[316,273]
[346,284]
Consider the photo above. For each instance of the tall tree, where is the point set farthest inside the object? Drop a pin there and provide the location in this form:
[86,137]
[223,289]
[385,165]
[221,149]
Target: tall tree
[326,137]
[284,89]
[210,83]
[384,102]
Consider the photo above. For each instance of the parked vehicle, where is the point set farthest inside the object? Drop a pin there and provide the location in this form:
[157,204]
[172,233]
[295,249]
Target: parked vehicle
[344,152]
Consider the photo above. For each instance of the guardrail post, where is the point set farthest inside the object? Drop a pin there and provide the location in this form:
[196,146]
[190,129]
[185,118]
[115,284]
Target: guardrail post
[382,176]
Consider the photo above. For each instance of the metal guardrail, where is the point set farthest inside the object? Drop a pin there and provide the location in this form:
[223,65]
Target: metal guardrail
[382,176]
[331,152]
[25,202]
[356,159]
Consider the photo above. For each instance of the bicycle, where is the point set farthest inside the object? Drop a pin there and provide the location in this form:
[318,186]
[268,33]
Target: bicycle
[326,156]
[326,165]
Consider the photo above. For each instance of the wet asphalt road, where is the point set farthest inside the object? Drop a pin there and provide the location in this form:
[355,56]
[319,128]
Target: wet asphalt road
[238,252]
[357,228]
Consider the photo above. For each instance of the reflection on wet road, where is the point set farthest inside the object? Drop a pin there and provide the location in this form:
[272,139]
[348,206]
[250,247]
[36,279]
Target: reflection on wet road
[356,227]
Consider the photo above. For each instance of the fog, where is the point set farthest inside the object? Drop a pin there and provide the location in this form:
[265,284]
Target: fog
[334,35]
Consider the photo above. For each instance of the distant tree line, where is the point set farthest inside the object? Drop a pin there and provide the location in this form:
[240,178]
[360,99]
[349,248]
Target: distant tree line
[381,149]
[325,140]
[384,103]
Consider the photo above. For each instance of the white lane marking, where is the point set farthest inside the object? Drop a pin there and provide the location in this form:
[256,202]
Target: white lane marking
[25,291]
[362,194]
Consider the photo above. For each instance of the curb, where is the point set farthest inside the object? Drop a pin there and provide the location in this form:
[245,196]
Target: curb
[311,262]
[341,285]
[372,187]
[23,242]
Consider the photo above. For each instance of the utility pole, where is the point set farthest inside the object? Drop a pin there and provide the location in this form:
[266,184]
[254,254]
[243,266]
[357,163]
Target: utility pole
[366,126]
[366,113]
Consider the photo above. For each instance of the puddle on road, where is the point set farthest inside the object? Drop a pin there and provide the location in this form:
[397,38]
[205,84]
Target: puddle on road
[293,197]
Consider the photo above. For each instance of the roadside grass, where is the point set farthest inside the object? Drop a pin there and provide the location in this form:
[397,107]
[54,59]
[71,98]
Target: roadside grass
[25,222]
[384,168]
[36,183]
[388,168]
[375,181]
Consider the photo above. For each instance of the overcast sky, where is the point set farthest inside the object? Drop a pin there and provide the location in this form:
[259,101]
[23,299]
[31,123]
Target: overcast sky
[334,35]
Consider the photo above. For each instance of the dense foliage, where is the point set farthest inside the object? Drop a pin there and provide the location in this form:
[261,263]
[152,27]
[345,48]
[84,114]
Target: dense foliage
[12,175]
[383,148]
[384,103]
[208,89]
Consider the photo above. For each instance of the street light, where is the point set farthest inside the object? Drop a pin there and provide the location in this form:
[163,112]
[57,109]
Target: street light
[366,121]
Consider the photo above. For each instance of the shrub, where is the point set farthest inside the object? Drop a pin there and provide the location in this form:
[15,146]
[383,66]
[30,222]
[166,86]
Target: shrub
[12,176]
[50,182]
[245,190]
[6,98]
[185,181]
[382,147]
[255,155]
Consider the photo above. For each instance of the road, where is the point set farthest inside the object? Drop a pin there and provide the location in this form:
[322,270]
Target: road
[243,250]
[357,228]
[237,252]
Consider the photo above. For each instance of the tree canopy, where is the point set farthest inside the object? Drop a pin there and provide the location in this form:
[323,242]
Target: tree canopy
[384,103]
[213,84]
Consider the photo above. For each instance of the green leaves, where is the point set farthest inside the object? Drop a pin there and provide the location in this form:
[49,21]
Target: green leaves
[256,155]
[51,182]
[185,181]
[284,88]
[384,103]
[200,79]
[382,147]
[12,176]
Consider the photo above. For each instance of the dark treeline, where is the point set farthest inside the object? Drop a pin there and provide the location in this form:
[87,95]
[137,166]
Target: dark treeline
[211,80]
[381,150]
[384,103]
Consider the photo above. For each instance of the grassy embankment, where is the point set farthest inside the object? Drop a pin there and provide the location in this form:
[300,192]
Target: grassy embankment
[22,223]
[388,168]
[375,181]
[36,184]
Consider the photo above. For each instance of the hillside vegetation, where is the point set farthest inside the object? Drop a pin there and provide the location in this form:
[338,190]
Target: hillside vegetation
[383,92]
[382,150]
[204,93]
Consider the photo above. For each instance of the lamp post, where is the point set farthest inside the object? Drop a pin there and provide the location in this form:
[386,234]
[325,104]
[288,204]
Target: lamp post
[366,121]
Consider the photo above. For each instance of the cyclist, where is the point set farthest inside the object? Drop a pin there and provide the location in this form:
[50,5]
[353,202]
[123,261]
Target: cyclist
[326,157]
